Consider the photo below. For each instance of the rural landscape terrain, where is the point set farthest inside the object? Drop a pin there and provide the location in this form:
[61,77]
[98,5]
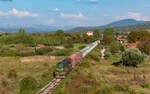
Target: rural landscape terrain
[74,47]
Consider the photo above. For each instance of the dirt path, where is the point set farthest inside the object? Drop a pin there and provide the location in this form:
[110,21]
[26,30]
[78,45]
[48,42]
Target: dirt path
[102,52]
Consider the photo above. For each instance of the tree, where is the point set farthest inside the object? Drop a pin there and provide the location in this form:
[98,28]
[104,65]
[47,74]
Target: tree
[108,36]
[132,57]
[137,36]
[144,45]
[61,35]
[109,32]
[114,47]
[96,34]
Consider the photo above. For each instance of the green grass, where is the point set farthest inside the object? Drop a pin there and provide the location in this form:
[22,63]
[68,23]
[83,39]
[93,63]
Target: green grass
[35,69]
[101,77]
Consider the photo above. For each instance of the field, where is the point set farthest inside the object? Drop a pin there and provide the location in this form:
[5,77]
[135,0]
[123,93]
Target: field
[26,66]
[40,67]
[105,77]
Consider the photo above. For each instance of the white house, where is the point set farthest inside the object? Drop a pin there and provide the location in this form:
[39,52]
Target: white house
[90,33]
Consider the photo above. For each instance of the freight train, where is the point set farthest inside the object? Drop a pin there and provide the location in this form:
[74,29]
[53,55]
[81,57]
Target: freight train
[64,67]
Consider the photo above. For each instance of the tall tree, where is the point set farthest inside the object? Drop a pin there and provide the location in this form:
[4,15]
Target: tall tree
[61,35]
[96,34]
[108,36]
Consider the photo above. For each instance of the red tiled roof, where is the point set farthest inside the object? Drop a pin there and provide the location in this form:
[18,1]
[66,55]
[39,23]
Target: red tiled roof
[129,45]
[40,46]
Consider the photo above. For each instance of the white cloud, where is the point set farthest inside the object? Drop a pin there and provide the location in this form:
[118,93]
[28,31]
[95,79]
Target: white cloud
[72,16]
[93,0]
[3,13]
[136,16]
[16,12]
[57,9]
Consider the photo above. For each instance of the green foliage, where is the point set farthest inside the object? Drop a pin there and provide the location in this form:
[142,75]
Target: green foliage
[132,57]
[96,34]
[85,64]
[4,83]
[27,84]
[114,47]
[104,89]
[94,55]
[61,52]
[68,45]
[81,47]
[137,36]
[124,88]
[146,85]
[44,50]
[61,35]
[108,36]
[109,32]
[144,45]
[122,48]
[12,73]
[107,54]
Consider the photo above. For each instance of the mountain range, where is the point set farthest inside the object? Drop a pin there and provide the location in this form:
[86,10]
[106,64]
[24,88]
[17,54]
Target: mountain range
[125,25]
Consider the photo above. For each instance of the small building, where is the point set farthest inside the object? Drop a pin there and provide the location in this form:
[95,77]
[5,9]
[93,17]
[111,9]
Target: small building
[131,45]
[40,46]
[121,39]
[90,33]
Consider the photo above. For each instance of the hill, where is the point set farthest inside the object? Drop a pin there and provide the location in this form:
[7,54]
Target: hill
[126,25]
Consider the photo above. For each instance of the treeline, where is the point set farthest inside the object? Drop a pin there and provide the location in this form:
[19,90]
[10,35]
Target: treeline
[57,38]
[25,44]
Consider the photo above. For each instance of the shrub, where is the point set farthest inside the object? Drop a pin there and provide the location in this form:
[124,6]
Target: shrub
[68,45]
[62,52]
[85,64]
[27,84]
[114,47]
[107,54]
[132,57]
[12,73]
[44,50]
[95,55]
[146,85]
[81,47]
[4,83]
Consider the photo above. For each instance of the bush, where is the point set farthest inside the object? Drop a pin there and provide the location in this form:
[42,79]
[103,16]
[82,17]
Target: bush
[61,52]
[132,57]
[4,83]
[146,85]
[81,47]
[68,45]
[27,84]
[114,47]
[107,54]
[44,50]
[12,73]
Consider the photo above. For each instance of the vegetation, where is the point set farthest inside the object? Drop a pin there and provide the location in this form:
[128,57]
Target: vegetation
[132,57]
[28,84]
[137,36]
[144,46]
[102,77]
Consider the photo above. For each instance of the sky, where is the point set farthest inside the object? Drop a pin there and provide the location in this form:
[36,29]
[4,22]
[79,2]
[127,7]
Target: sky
[71,12]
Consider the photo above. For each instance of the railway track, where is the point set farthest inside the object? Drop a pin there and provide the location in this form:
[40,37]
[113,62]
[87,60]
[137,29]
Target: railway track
[50,86]
[80,55]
